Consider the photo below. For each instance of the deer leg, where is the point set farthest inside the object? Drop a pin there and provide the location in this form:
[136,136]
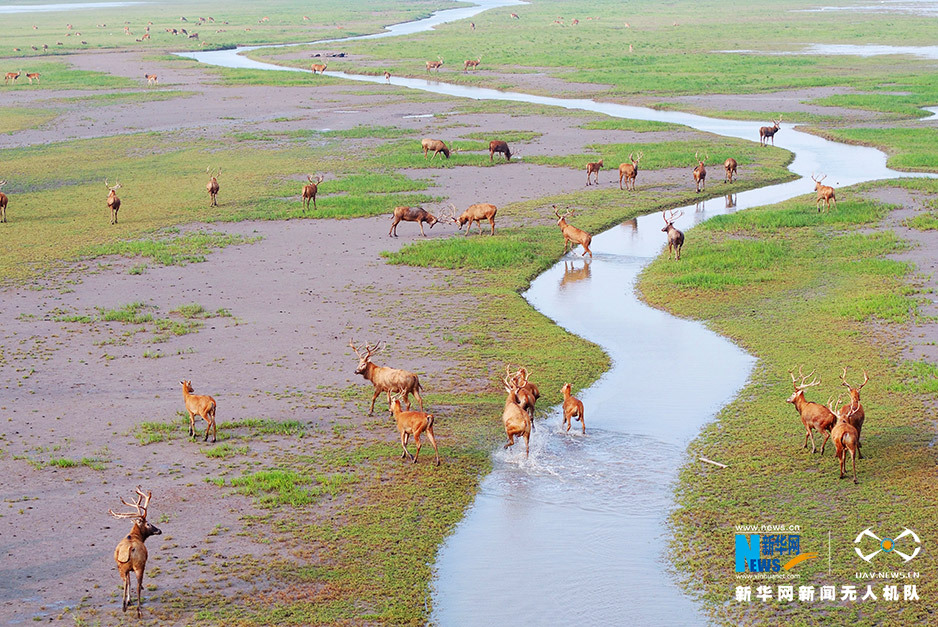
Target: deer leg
[139,589]
[126,594]
[433,442]
[479,224]
[404,437]
[373,398]
[826,437]
[421,228]
[809,435]
[191,425]
[527,445]
[854,460]
[419,399]
[214,429]
[391,230]
[417,441]
[678,252]
[511,441]
[492,222]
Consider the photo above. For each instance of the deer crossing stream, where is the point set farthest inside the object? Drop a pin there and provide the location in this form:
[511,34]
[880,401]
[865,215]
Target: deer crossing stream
[577,533]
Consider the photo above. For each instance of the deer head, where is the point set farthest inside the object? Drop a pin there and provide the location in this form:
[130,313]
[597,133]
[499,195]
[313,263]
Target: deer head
[112,189]
[854,391]
[669,218]
[637,159]
[139,516]
[801,387]
[363,360]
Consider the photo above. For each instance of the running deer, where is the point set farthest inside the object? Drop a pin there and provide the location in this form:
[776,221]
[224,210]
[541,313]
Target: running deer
[825,193]
[387,380]
[768,132]
[499,146]
[814,416]
[572,235]
[571,407]
[310,189]
[435,65]
[319,68]
[212,185]
[846,437]
[675,237]
[470,63]
[3,203]
[856,415]
[151,79]
[131,552]
[629,171]
[527,391]
[516,420]
[700,172]
[475,213]
[436,145]
[113,202]
[593,169]
[729,166]
[413,423]
[201,406]
[411,214]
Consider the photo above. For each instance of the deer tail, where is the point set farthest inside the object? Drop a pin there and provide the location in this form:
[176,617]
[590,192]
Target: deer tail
[429,421]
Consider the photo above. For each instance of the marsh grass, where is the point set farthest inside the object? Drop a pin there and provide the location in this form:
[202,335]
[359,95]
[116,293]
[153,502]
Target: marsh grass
[150,432]
[908,148]
[14,119]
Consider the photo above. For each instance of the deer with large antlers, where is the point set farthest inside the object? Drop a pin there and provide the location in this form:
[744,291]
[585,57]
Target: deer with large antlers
[675,237]
[517,421]
[387,380]
[436,145]
[729,168]
[572,235]
[113,202]
[572,406]
[768,132]
[825,193]
[471,63]
[629,171]
[814,416]
[854,412]
[592,169]
[435,65]
[413,423]
[474,213]
[310,189]
[845,436]
[201,406]
[212,185]
[700,172]
[3,203]
[131,552]
[411,214]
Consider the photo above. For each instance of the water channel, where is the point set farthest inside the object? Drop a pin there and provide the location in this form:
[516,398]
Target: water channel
[577,533]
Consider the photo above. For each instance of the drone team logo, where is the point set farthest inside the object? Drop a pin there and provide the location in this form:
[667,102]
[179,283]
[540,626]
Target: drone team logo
[887,545]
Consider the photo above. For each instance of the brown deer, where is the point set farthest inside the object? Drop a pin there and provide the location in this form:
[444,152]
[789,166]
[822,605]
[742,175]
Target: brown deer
[470,63]
[675,237]
[768,132]
[435,65]
[527,391]
[11,77]
[113,202]
[845,438]
[131,552]
[629,171]
[475,213]
[318,67]
[212,185]
[813,415]
[310,189]
[497,145]
[152,79]
[202,406]
[387,77]
[32,76]
[3,203]
[514,16]
[572,235]
[856,415]
[593,169]
[571,407]
[825,193]
[386,379]
[700,172]
[411,214]
[413,423]
[729,167]
[517,421]
[436,145]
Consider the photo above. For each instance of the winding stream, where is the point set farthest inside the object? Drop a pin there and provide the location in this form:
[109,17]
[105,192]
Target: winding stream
[576,534]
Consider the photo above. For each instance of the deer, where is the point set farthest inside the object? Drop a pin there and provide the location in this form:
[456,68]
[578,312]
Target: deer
[212,185]
[527,391]
[470,63]
[386,379]
[131,552]
[387,77]
[3,203]
[475,213]
[593,169]
[825,193]
[435,65]
[151,79]
[517,421]
[572,235]
[768,132]
[497,145]
[202,406]
[572,407]
[113,202]
[845,436]
[309,191]
[856,415]
[675,237]
[413,423]
[814,416]
[411,214]
[700,172]
[32,76]
[318,67]
[729,167]
[629,171]
[436,145]
[514,16]
[10,77]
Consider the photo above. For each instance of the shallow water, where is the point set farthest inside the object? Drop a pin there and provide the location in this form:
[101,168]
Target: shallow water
[850,50]
[48,8]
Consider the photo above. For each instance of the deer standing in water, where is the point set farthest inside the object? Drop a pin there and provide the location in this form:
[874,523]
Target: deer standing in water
[572,407]
[572,235]
[517,421]
[768,132]
[675,237]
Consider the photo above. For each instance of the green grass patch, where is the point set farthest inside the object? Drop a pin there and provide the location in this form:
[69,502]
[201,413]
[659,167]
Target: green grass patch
[511,137]
[923,221]
[14,119]
[636,126]
[169,248]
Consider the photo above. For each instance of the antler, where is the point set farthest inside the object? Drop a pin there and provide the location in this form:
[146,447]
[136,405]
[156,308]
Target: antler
[143,501]
[352,344]
[671,219]
[843,379]
[2,183]
[319,178]
[108,185]
[803,385]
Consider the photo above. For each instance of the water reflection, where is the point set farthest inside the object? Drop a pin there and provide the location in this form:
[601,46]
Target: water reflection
[572,273]
[730,201]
